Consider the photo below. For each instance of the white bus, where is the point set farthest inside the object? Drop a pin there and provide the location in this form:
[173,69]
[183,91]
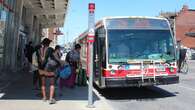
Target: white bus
[132,51]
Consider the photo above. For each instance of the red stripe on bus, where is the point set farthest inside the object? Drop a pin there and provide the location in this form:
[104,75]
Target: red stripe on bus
[124,73]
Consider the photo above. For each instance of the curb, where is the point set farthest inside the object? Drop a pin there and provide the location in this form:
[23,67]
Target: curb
[101,98]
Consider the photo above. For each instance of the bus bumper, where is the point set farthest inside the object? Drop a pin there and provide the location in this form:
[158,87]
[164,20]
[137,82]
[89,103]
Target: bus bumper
[137,81]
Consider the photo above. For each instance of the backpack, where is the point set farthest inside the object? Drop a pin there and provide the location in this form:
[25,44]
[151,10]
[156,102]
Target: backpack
[68,57]
[48,53]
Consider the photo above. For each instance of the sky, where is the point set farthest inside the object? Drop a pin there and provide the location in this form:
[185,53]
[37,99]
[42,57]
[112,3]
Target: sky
[76,21]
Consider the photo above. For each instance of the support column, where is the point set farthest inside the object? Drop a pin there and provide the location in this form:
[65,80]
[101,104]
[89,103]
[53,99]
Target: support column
[9,39]
[40,34]
[29,24]
[15,36]
[37,31]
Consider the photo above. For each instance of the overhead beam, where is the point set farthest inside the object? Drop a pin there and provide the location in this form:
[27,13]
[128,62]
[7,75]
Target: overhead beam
[44,6]
[48,11]
[53,21]
[49,19]
[52,25]
[28,4]
[55,4]
[55,8]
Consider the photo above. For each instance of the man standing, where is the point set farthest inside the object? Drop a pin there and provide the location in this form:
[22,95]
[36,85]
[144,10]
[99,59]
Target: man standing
[29,51]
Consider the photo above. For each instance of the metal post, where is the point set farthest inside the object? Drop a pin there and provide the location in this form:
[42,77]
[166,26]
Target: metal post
[90,88]
[91,36]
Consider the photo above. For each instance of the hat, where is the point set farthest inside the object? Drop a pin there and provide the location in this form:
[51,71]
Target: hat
[77,46]
[46,41]
[57,47]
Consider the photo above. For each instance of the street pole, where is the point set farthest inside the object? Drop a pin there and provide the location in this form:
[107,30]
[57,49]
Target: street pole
[90,40]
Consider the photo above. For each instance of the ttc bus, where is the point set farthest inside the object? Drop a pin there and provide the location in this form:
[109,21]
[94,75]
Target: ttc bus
[132,51]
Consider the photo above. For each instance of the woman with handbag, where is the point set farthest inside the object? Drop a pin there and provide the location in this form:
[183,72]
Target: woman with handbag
[73,58]
[57,55]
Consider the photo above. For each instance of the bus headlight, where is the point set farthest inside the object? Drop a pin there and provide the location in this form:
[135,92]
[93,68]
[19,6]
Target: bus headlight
[112,72]
[171,69]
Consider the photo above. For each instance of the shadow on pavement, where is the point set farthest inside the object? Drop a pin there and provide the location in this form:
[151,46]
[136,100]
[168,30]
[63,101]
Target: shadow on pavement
[135,93]
[22,89]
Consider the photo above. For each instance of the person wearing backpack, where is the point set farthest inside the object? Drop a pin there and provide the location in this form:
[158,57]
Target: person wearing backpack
[47,67]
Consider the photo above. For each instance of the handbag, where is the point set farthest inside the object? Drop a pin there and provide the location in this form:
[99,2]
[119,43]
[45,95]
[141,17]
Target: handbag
[65,72]
[46,73]
[51,65]
[51,62]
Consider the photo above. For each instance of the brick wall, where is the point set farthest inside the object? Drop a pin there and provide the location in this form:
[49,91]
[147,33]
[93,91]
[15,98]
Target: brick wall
[185,22]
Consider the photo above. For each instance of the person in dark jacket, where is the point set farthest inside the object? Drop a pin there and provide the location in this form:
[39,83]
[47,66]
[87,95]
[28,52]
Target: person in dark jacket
[29,51]
[36,76]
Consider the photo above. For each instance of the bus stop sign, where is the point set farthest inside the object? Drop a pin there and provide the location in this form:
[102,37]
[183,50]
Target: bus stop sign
[91,35]
[91,7]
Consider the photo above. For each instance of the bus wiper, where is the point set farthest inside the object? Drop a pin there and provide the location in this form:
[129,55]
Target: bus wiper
[121,63]
[167,58]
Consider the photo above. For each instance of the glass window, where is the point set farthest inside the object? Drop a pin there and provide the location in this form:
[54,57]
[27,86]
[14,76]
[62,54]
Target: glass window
[136,23]
[3,19]
[139,44]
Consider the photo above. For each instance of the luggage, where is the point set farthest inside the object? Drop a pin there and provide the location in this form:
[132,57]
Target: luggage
[81,78]
[65,72]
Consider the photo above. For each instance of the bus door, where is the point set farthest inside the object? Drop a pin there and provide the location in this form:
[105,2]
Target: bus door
[99,55]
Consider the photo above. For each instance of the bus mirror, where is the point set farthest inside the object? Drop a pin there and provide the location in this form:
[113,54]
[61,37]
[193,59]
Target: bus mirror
[101,32]
[101,35]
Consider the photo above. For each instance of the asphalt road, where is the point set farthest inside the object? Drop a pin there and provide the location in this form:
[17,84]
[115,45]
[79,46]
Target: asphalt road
[167,97]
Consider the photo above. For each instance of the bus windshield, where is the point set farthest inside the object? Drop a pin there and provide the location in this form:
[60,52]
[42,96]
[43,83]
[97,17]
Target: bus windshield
[128,44]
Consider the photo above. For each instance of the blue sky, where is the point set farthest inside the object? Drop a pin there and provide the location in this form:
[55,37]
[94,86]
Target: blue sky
[76,20]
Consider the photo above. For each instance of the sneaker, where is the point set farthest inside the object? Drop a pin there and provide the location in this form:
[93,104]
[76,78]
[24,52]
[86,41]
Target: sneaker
[44,99]
[52,101]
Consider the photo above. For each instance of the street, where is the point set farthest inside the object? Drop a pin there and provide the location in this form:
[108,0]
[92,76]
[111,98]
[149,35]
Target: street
[167,97]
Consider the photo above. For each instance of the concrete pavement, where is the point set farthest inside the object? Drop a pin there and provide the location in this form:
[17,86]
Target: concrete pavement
[19,95]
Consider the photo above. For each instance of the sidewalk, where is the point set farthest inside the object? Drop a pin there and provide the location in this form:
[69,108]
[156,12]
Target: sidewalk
[6,79]
[20,96]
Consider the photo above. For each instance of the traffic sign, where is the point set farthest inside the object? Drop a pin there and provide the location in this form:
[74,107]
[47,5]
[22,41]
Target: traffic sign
[91,7]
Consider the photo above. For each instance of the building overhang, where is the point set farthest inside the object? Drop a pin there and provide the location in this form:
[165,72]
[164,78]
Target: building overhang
[50,13]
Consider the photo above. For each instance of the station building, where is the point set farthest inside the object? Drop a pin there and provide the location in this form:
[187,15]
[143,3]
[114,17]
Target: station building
[22,21]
